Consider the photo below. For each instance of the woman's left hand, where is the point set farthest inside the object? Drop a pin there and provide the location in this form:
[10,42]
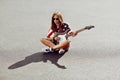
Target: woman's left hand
[71,33]
[74,34]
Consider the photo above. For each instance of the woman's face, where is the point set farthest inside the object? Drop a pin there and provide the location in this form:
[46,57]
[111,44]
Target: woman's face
[56,20]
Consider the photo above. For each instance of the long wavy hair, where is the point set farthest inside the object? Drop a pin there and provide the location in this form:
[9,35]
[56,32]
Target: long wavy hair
[53,25]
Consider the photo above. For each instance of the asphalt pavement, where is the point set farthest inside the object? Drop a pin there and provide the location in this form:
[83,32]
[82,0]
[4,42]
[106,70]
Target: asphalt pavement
[94,54]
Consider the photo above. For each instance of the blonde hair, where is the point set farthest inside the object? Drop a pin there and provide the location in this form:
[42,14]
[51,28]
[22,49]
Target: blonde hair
[53,25]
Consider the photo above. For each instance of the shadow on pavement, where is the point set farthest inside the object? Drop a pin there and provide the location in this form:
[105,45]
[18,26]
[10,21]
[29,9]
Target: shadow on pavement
[39,57]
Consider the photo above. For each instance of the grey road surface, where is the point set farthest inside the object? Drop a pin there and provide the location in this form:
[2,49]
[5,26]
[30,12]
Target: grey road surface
[93,54]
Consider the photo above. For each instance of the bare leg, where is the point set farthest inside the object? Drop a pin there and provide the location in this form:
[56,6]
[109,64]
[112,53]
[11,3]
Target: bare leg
[47,42]
[64,45]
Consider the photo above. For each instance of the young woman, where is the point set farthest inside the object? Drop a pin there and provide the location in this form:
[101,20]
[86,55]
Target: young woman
[58,26]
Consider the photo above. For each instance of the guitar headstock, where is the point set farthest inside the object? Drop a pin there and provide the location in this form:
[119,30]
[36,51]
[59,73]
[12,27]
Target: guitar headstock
[89,27]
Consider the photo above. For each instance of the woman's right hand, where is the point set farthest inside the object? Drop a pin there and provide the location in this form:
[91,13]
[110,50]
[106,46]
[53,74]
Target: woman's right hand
[57,38]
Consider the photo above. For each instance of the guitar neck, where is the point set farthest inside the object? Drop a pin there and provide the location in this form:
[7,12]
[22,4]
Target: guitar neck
[80,30]
[77,31]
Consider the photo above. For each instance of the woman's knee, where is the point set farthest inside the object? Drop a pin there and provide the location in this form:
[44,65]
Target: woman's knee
[66,47]
[42,39]
[67,42]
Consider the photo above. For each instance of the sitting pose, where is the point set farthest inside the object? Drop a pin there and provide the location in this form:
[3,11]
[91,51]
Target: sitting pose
[58,26]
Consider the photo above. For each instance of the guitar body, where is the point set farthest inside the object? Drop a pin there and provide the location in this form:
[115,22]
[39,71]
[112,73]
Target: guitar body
[62,38]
